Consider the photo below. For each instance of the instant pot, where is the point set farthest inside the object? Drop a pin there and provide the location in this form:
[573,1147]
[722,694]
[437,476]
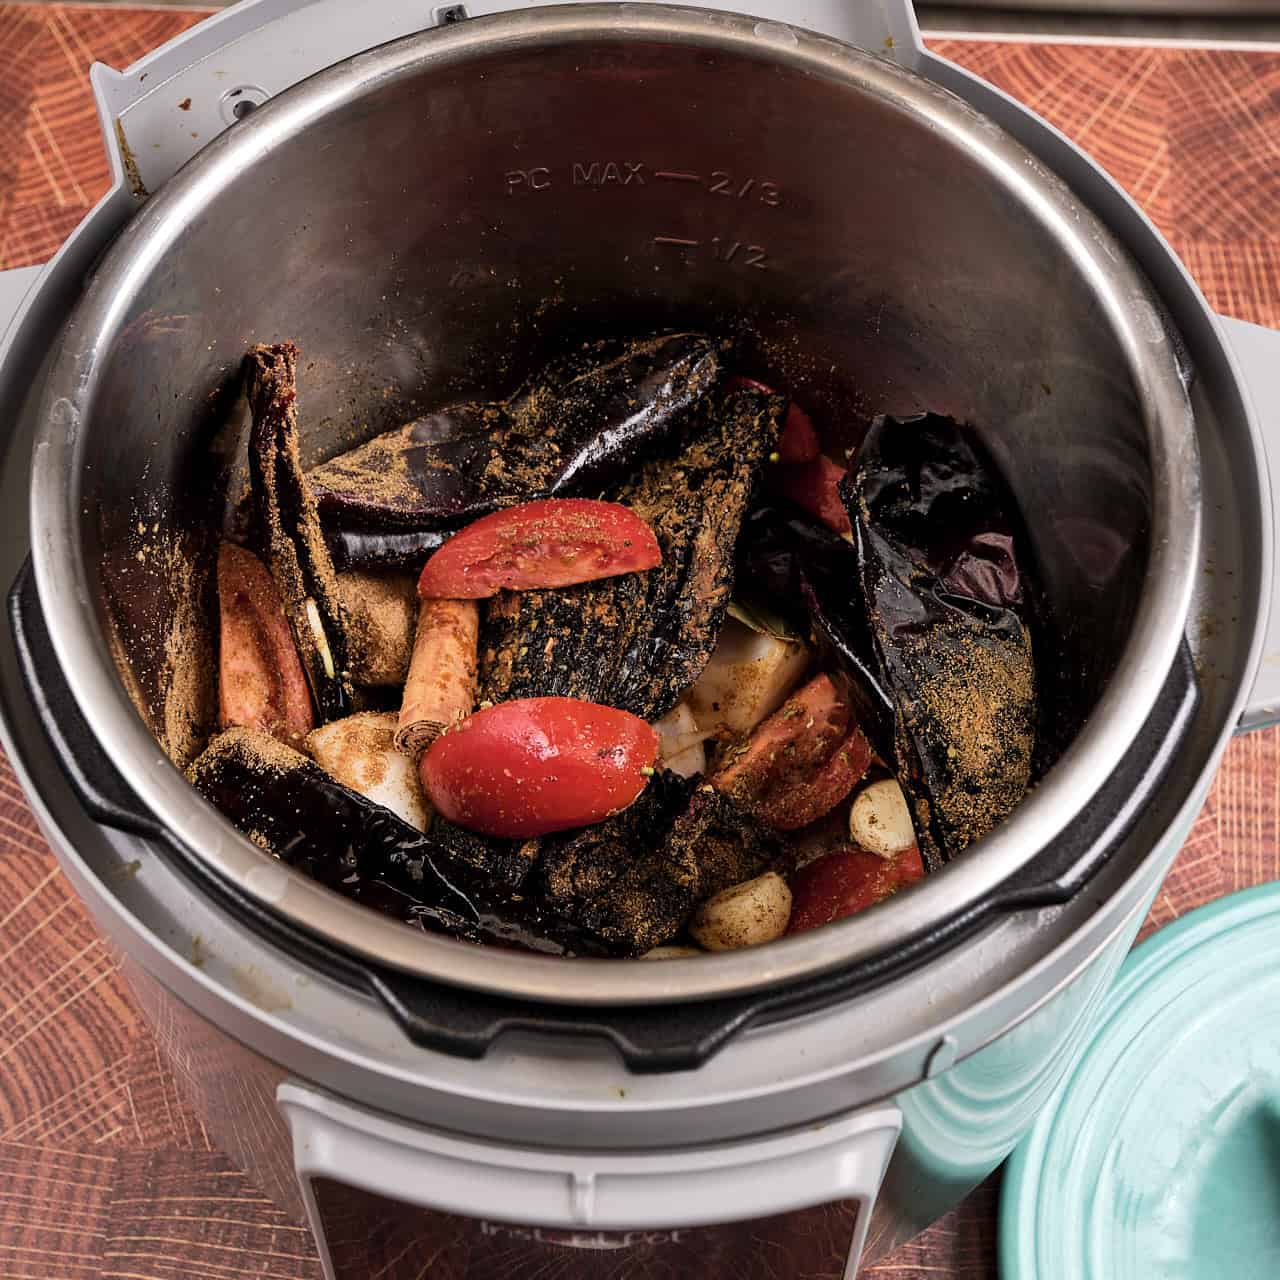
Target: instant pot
[417,206]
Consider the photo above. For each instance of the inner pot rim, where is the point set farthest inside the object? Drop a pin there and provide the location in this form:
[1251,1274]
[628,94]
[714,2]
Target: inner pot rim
[84,655]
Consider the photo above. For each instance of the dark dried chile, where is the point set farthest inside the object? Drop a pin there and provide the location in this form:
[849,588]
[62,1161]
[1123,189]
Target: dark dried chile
[631,883]
[283,800]
[929,611]
[712,845]
[289,528]
[362,549]
[935,536]
[638,641]
[583,423]
[442,881]
[617,889]
[808,574]
[483,862]
[578,867]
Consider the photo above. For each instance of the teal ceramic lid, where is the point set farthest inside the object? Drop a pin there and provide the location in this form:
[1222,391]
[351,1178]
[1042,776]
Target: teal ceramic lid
[1159,1157]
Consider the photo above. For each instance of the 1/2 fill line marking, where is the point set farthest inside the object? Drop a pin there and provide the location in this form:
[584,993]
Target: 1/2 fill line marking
[676,240]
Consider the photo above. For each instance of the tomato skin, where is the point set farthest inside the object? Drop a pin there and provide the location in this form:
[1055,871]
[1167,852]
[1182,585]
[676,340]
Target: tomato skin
[551,542]
[799,439]
[847,881]
[813,486]
[822,791]
[536,765]
[261,683]
[800,762]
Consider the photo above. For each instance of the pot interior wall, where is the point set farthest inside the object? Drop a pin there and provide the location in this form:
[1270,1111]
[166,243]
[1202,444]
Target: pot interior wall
[431,239]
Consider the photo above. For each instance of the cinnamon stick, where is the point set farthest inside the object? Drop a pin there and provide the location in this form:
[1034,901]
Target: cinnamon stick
[441,687]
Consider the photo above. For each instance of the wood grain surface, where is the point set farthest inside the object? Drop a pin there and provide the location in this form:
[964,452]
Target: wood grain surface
[104,1171]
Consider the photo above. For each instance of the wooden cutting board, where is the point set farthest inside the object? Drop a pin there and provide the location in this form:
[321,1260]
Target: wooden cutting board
[104,1171]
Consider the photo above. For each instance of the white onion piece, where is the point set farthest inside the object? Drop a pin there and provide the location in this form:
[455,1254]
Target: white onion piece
[680,742]
[747,679]
[360,752]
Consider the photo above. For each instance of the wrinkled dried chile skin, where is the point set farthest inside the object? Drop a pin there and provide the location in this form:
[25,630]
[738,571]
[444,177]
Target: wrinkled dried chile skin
[712,845]
[365,852]
[585,422]
[614,889]
[926,488]
[575,868]
[934,529]
[358,549]
[289,527]
[809,575]
[316,824]
[638,641]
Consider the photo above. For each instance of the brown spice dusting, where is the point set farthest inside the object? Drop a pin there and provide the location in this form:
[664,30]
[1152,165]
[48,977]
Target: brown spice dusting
[978,705]
[188,689]
[381,609]
[353,749]
[639,640]
[376,471]
[473,456]
[711,846]
[160,639]
[295,548]
[249,746]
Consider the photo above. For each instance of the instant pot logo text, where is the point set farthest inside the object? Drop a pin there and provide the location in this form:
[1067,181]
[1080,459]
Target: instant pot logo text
[583,1239]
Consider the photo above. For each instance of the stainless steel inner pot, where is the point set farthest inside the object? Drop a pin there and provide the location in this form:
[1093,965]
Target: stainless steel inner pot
[427,218]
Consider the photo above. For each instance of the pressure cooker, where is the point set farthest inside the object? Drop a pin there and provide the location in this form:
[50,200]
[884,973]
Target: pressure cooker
[417,196]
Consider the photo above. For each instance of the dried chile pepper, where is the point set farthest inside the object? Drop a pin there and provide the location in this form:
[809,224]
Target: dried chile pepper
[289,527]
[584,422]
[935,533]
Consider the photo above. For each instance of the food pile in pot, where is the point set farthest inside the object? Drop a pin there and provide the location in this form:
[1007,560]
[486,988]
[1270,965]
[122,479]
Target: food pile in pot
[623,664]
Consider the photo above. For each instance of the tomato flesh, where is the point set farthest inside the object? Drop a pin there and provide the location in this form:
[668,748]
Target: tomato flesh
[801,762]
[552,542]
[813,486]
[536,765]
[799,439]
[850,880]
[819,793]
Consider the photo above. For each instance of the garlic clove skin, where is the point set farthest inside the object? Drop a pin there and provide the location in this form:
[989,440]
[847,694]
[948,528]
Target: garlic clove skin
[744,915]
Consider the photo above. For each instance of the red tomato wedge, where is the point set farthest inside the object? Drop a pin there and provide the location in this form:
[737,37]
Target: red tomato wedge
[850,880]
[799,439]
[800,762]
[553,542]
[813,486]
[536,765]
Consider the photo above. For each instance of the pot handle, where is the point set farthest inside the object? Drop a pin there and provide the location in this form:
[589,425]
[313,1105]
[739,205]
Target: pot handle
[157,113]
[14,287]
[432,1188]
[1257,353]
[99,788]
